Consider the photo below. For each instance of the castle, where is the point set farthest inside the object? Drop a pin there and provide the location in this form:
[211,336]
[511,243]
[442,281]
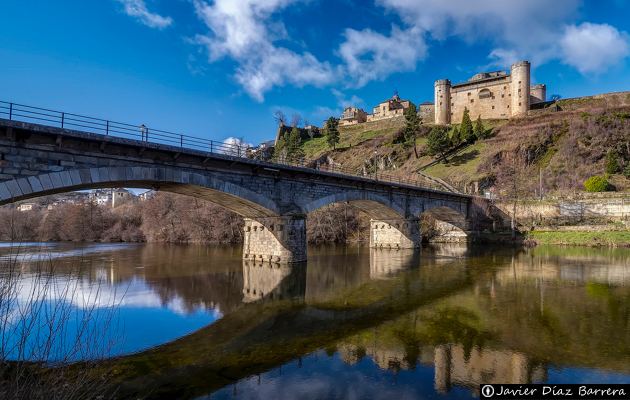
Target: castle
[489,95]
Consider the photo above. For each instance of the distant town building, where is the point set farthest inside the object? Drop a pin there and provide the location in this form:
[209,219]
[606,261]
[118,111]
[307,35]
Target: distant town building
[390,108]
[352,116]
[489,95]
[27,207]
[110,197]
[146,195]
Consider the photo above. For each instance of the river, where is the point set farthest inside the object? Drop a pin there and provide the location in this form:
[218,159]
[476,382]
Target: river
[352,323]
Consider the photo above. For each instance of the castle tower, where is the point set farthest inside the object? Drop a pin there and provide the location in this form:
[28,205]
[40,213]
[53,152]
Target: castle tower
[538,94]
[520,88]
[443,102]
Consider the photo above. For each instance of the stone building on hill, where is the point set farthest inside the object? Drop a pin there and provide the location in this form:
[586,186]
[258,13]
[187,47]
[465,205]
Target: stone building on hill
[491,95]
[352,116]
[390,108]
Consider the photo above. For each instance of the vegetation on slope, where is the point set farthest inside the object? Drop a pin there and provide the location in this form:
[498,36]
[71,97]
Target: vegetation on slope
[563,147]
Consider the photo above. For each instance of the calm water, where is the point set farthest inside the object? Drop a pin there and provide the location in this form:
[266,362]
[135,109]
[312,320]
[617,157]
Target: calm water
[353,323]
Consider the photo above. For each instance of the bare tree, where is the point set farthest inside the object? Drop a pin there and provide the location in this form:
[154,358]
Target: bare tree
[296,120]
[51,331]
[280,117]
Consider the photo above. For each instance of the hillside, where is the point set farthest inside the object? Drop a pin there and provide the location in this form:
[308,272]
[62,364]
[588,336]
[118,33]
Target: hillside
[563,144]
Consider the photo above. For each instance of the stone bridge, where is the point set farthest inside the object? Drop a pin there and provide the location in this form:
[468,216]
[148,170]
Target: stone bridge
[38,160]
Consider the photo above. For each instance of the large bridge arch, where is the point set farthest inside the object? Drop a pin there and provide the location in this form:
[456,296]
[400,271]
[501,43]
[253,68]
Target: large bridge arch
[446,223]
[391,226]
[175,180]
[374,205]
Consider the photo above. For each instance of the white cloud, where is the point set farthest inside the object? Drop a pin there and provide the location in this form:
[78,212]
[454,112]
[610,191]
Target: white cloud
[370,55]
[343,101]
[242,31]
[252,34]
[593,48]
[138,9]
[518,29]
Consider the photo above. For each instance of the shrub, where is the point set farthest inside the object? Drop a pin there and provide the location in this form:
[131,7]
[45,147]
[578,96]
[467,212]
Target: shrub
[596,183]
[626,171]
[612,163]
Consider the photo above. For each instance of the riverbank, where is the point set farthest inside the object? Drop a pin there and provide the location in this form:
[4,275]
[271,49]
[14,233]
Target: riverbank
[580,238]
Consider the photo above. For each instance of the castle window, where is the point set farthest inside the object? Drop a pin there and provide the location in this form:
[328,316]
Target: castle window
[519,103]
[485,94]
[493,107]
[502,96]
[472,100]
[508,106]
[469,93]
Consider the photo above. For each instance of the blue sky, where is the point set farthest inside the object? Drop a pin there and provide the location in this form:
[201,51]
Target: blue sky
[220,68]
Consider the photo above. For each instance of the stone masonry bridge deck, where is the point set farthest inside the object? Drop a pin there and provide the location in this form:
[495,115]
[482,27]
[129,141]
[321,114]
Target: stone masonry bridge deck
[38,160]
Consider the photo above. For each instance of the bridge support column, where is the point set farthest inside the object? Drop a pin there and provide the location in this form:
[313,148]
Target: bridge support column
[276,239]
[395,234]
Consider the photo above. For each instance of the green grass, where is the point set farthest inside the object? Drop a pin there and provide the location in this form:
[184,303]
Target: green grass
[314,147]
[349,136]
[464,164]
[604,238]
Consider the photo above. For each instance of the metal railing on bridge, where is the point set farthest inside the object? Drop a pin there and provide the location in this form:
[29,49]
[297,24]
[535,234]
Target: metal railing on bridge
[143,133]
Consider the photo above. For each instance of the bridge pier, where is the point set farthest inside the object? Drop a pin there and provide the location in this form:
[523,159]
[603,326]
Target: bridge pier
[275,239]
[395,234]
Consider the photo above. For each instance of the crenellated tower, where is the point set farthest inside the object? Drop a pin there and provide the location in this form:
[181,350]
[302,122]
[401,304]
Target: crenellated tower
[443,102]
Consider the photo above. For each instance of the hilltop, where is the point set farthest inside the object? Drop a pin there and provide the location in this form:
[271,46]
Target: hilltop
[564,142]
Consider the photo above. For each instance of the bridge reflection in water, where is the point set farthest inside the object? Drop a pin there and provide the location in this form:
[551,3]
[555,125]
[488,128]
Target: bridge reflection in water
[470,314]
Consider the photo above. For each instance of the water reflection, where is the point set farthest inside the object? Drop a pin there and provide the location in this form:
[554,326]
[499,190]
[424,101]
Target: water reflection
[405,323]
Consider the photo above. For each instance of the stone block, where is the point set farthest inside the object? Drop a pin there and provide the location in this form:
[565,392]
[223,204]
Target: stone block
[46,181]
[65,178]
[35,184]
[14,188]
[75,177]
[55,178]
[5,194]
[85,176]
[25,187]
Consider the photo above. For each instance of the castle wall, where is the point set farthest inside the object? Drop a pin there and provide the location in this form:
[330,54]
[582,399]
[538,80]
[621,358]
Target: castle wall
[490,99]
[427,113]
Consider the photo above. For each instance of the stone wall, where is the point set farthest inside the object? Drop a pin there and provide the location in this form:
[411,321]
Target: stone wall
[611,207]
[278,240]
[490,99]
[396,234]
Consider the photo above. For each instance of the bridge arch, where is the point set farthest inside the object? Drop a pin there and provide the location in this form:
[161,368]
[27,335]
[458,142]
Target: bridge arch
[445,223]
[390,225]
[175,180]
[373,204]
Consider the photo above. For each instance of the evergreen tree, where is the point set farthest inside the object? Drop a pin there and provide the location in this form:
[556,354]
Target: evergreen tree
[294,145]
[466,133]
[479,130]
[453,136]
[412,126]
[612,163]
[280,149]
[438,142]
[332,133]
